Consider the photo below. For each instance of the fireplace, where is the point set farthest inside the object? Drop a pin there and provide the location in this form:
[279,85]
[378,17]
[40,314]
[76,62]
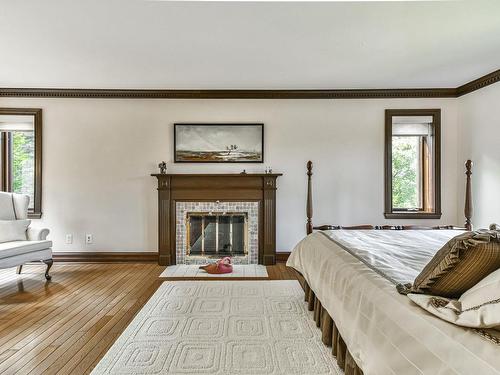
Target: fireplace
[206,216]
[216,235]
[209,230]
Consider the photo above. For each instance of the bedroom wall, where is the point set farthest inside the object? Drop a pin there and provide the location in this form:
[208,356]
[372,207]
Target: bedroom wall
[479,123]
[98,156]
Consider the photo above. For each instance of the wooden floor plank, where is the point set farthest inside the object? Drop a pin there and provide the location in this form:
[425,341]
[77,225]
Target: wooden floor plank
[22,288]
[44,293]
[66,326]
[69,329]
[61,323]
[47,312]
[96,332]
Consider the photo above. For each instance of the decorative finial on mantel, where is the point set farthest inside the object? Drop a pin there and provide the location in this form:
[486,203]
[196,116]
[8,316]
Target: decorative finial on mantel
[163,167]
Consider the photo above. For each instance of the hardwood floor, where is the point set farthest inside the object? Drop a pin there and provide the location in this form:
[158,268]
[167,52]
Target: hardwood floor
[65,326]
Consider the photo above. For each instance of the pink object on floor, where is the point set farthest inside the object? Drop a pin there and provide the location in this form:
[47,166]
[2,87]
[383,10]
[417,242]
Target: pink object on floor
[223,265]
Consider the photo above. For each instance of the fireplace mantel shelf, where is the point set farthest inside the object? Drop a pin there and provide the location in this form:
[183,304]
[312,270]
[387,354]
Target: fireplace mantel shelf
[213,187]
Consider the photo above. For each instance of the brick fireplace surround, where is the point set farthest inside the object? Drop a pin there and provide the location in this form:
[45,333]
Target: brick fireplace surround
[251,187]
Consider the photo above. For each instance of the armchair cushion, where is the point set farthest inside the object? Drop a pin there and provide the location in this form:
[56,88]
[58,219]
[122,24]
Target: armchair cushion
[21,204]
[6,207]
[13,230]
[13,206]
[9,249]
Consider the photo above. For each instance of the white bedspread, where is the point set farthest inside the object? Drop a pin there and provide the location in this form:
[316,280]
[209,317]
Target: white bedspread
[386,332]
[399,255]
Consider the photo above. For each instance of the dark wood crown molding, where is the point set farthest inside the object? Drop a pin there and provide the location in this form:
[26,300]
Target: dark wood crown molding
[253,94]
[479,83]
[227,94]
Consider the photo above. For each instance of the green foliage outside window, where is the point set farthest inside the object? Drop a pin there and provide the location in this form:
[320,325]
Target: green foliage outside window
[23,163]
[405,191]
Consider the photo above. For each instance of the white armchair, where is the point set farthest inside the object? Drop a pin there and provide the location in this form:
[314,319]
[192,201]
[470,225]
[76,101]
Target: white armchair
[18,244]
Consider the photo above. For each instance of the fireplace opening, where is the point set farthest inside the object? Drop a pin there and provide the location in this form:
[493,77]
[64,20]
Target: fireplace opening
[216,234]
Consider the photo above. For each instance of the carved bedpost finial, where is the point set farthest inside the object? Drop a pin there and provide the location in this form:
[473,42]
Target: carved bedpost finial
[309,207]
[309,168]
[468,167]
[468,210]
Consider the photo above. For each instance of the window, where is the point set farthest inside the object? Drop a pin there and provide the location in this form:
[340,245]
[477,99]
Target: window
[20,154]
[412,162]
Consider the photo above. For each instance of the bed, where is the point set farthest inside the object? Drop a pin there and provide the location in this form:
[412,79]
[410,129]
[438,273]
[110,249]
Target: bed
[349,275]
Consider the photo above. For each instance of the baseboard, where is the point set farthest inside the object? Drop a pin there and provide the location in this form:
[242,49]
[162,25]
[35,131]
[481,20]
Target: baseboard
[107,257]
[123,257]
[282,257]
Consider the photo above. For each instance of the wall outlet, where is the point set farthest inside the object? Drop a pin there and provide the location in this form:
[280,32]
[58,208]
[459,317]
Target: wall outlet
[89,238]
[69,239]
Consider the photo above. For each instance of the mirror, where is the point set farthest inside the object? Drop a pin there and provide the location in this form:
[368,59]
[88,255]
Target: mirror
[20,154]
[412,184]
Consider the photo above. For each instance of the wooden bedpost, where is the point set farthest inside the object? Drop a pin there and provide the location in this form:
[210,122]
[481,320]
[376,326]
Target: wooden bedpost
[468,210]
[309,206]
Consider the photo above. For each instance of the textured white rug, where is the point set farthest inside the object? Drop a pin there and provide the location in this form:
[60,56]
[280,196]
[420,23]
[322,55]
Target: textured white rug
[193,270]
[222,328]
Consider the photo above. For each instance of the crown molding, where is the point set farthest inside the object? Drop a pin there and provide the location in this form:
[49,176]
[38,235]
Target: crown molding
[253,94]
[479,83]
[227,94]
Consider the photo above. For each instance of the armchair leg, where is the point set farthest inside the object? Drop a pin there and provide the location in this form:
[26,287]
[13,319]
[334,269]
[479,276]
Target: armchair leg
[19,268]
[49,263]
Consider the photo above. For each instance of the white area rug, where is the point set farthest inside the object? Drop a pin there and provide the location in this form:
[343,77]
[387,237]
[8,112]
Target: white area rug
[193,270]
[222,328]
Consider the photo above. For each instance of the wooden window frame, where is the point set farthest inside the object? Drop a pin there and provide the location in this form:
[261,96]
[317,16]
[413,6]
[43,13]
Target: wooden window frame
[36,212]
[389,212]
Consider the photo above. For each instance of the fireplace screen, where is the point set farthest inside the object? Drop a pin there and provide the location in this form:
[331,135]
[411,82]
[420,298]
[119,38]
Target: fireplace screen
[217,235]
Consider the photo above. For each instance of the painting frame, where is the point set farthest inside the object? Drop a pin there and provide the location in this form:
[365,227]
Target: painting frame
[179,157]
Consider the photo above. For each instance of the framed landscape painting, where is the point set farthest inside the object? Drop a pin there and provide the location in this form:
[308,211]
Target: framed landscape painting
[219,143]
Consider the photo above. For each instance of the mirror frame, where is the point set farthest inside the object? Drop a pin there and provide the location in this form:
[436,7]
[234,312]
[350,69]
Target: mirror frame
[36,212]
[436,122]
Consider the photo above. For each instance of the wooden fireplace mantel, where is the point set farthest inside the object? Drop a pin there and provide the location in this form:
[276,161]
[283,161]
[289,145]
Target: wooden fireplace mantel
[249,187]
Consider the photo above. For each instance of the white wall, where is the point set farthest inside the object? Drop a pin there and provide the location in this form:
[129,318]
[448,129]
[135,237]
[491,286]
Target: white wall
[479,121]
[98,155]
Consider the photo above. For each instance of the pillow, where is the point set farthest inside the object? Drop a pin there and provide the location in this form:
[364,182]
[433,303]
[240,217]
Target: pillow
[479,307]
[459,265]
[484,292]
[13,230]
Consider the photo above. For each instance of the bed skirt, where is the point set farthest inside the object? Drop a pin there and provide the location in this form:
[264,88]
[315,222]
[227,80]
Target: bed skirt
[330,334]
